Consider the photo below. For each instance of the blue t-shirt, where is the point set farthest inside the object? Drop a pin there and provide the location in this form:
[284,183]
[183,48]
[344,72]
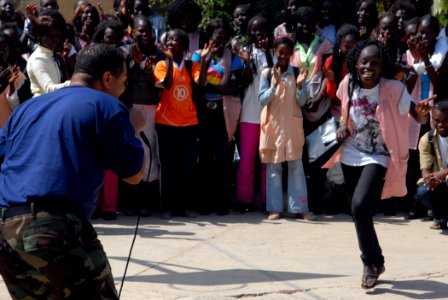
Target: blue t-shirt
[57,147]
[215,72]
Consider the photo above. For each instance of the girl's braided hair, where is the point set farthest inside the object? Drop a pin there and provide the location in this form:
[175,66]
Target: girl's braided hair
[387,68]
[338,59]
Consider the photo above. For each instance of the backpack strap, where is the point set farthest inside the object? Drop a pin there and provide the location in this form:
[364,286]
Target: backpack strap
[431,140]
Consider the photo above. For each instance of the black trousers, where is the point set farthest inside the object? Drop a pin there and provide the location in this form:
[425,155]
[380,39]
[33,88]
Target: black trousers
[178,152]
[213,176]
[364,185]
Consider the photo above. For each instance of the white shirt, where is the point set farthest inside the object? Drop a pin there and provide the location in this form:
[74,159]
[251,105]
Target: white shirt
[438,56]
[366,144]
[251,107]
[43,72]
[443,145]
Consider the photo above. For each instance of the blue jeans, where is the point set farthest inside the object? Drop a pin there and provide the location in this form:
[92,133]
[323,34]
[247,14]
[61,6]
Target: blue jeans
[297,193]
[434,200]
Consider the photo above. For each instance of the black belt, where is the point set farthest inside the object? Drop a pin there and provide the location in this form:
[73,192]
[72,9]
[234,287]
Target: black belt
[30,208]
[211,104]
[10,212]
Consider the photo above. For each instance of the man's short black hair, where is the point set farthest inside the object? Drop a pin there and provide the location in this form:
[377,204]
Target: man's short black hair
[96,59]
[442,106]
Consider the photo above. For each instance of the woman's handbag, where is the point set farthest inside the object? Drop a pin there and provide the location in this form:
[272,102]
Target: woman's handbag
[322,143]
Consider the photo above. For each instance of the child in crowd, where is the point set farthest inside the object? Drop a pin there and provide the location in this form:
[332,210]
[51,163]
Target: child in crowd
[388,34]
[367,17]
[186,15]
[289,26]
[282,137]
[177,128]
[309,53]
[141,93]
[326,25]
[335,69]
[376,144]
[27,38]
[46,68]
[219,73]
[241,16]
[260,59]
[85,21]
[11,79]
[310,48]
[109,32]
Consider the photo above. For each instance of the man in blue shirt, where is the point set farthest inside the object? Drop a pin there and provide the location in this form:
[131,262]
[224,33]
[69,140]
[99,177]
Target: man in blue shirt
[54,151]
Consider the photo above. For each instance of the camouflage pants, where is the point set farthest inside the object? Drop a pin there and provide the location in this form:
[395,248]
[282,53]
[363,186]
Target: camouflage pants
[54,256]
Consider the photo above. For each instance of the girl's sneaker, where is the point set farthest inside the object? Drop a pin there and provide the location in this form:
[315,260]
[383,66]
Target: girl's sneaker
[309,216]
[274,216]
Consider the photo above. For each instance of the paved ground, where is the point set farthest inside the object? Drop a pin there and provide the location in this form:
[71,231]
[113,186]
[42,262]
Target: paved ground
[248,257]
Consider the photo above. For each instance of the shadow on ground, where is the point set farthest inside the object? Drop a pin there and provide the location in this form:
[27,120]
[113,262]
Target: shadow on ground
[224,277]
[413,289]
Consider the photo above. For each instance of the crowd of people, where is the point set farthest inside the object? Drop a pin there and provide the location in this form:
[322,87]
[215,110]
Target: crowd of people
[227,108]
[219,135]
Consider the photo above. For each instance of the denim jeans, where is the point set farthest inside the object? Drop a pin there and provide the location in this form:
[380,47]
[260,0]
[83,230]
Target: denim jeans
[434,200]
[297,193]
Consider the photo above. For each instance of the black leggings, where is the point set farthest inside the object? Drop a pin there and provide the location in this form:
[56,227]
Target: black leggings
[364,185]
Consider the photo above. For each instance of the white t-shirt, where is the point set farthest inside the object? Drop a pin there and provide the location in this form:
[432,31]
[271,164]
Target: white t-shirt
[443,145]
[251,107]
[366,144]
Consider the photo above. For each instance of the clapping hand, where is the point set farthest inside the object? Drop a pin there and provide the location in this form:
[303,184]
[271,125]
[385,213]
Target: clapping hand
[5,74]
[277,76]
[242,53]
[432,180]
[14,74]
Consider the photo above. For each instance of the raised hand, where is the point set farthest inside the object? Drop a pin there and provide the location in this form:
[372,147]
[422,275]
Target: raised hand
[31,11]
[66,48]
[167,52]
[329,74]
[207,51]
[101,11]
[424,107]
[302,76]
[263,44]
[422,49]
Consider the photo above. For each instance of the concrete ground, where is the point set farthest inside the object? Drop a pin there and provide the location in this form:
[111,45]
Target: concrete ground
[248,257]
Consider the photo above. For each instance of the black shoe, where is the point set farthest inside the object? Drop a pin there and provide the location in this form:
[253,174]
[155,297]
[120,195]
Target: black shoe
[189,214]
[109,215]
[369,277]
[222,212]
[130,212]
[144,212]
[243,207]
[414,215]
[166,215]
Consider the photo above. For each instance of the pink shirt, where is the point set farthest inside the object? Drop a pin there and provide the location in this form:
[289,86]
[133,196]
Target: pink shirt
[395,130]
